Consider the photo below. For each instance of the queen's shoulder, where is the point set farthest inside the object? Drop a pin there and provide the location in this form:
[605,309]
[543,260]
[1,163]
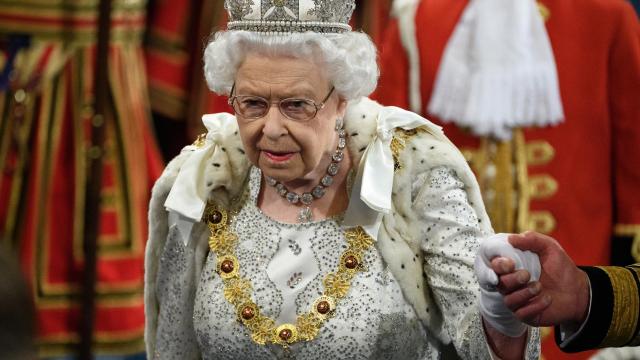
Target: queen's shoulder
[416,149]
[421,150]
[217,152]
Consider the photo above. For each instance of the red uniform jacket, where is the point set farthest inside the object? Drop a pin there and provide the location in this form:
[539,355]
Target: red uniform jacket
[46,111]
[580,180]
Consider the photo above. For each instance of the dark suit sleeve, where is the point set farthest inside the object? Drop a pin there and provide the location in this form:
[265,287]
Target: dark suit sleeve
[614,313]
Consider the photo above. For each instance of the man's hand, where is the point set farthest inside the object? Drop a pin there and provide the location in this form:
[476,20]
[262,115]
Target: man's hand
[560,297]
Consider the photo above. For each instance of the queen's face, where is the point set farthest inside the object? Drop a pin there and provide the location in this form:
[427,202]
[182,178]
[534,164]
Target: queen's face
[286,149]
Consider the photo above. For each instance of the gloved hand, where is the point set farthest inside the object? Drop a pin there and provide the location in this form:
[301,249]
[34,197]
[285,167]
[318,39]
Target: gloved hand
[492,306]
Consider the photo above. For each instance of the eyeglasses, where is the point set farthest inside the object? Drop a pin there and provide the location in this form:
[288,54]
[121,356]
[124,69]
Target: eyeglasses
[252,107]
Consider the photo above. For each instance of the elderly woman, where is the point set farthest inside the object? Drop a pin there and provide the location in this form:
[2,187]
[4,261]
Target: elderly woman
[316,223]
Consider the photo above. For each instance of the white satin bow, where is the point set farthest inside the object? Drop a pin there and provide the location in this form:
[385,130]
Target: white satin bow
[372,187]
[188,195]
[374,181]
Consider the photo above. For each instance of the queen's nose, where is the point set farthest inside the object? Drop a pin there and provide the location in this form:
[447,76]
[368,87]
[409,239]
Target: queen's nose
[274,123]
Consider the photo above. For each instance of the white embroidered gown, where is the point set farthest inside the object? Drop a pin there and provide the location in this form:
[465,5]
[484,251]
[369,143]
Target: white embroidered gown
[286,264]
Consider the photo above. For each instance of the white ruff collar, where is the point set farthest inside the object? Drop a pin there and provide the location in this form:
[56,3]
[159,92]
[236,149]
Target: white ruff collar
[497,71]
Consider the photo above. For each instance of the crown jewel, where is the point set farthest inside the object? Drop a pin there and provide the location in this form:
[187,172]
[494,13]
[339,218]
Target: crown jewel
[289,16]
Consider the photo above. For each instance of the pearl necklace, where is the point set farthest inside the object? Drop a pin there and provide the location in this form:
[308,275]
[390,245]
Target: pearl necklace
[305,199]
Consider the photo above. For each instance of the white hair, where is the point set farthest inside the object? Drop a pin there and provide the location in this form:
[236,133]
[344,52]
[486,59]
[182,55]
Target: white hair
[348,59]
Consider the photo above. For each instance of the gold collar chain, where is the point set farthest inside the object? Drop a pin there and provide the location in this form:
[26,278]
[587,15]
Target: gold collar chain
[237,289]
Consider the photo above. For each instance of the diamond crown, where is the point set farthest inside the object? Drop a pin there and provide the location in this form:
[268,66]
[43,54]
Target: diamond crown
[290,16]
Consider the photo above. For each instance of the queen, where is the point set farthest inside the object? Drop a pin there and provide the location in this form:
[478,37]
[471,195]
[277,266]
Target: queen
[315,223]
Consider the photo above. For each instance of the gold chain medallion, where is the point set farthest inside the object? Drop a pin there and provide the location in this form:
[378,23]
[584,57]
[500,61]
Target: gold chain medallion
[237,290]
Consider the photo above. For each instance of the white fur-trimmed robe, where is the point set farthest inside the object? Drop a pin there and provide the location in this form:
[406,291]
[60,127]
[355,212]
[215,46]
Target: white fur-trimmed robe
[399,239]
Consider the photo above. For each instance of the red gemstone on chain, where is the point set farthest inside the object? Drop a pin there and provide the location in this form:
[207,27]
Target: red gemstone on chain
[247,313]
[227,266]
[351,262]
[323,307]
[215,217]
[285,334]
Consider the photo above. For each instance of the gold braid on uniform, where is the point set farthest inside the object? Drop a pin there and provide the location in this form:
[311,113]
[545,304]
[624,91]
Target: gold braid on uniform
[613,319]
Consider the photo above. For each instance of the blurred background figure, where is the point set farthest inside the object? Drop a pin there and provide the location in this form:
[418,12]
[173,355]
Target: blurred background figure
[572,174]
[177,34]
[17,320]
[48,116]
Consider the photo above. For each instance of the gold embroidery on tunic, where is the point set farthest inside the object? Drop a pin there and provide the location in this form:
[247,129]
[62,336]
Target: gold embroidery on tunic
[541,221]
[539,152]
[545,13]
[542,186]
[630,230]
[522,178]
[501,169]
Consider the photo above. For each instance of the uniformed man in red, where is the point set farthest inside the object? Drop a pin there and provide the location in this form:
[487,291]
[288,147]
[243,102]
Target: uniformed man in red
[577,177]
[47,108]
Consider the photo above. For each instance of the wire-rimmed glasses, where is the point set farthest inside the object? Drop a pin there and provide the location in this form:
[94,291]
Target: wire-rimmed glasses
[251,107]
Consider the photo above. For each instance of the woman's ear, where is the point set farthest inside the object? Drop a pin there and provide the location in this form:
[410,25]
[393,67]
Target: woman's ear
[342,107]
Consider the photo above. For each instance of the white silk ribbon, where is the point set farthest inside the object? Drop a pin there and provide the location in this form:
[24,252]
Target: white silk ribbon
[188,195]
[371,192]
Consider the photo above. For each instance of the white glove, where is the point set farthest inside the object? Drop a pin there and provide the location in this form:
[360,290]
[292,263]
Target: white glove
[492,306]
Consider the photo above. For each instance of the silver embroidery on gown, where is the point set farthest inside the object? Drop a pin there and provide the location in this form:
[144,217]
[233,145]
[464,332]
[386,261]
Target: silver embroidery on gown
[374,321]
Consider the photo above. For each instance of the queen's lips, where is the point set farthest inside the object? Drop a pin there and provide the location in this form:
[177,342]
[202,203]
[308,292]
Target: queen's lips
[278,156]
